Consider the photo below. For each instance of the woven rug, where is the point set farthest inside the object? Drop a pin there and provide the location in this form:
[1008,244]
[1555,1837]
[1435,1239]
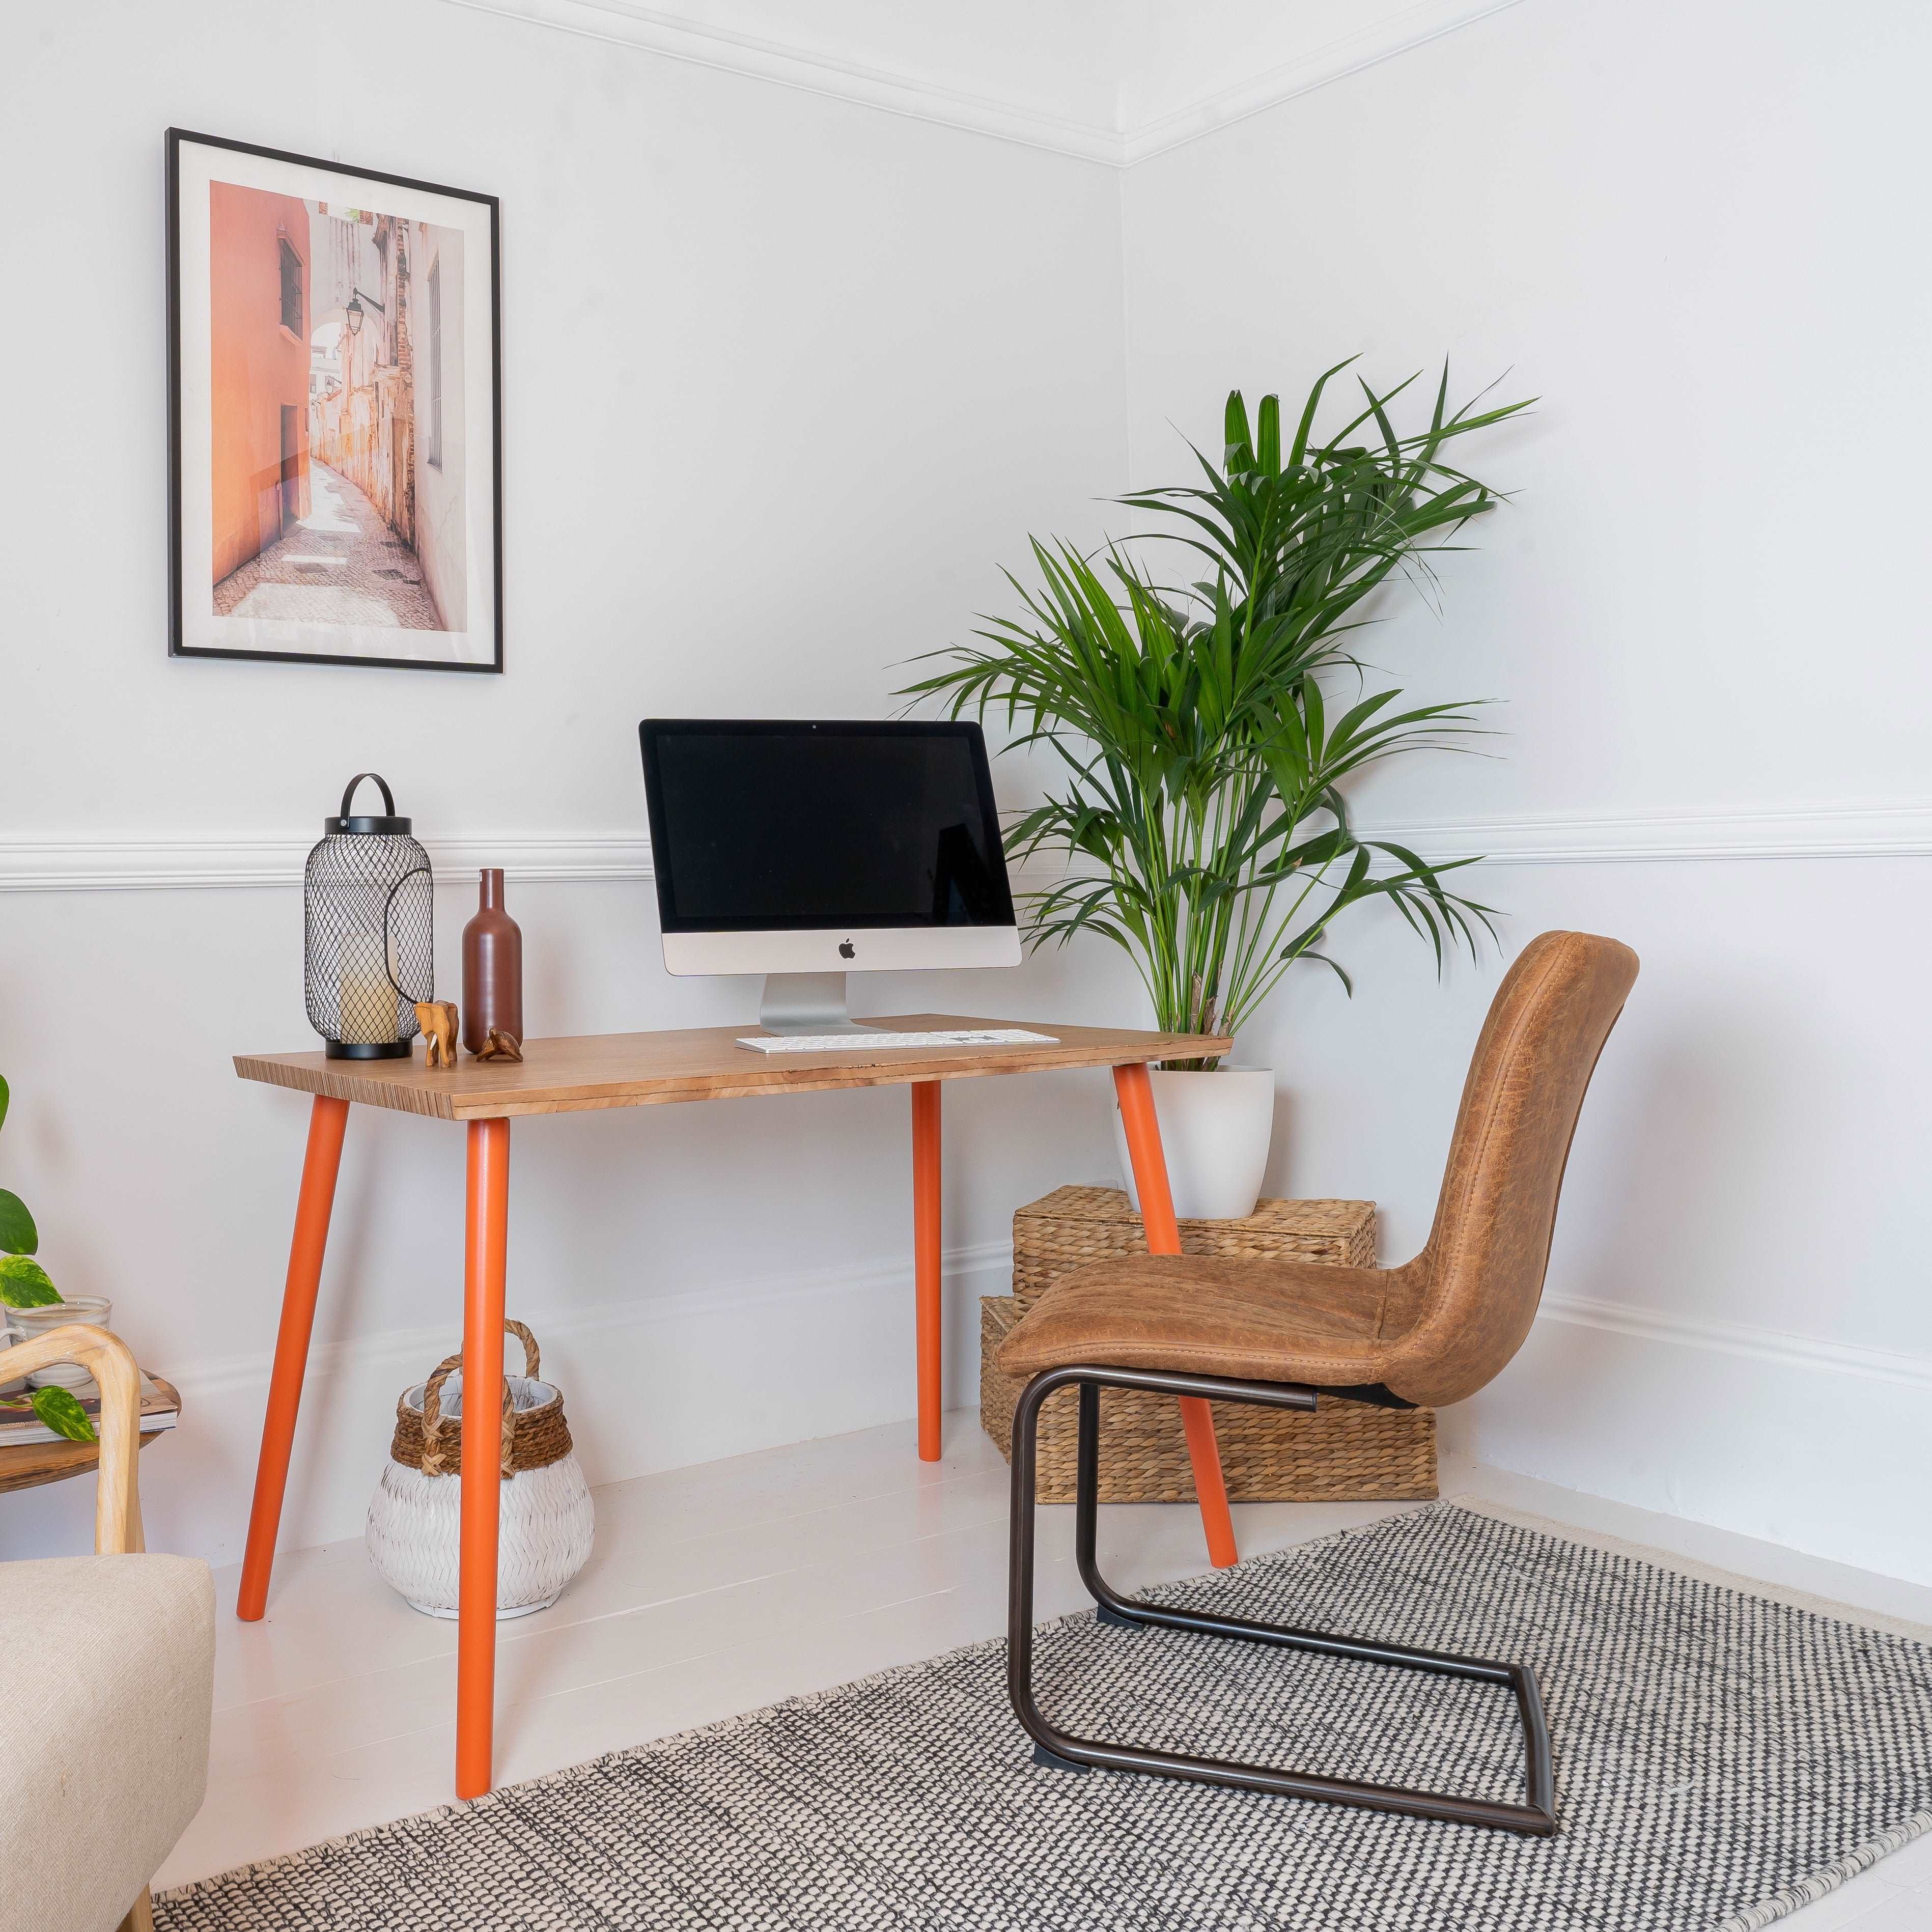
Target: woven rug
[1721,1759]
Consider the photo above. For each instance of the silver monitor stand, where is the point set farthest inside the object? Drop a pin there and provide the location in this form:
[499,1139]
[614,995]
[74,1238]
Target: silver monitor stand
[796,1002]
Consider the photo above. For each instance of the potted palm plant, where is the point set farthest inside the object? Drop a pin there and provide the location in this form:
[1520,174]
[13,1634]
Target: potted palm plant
[1205,737]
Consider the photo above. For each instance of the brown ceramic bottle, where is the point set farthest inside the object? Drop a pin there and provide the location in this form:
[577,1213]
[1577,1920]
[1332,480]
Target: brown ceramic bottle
[493,968]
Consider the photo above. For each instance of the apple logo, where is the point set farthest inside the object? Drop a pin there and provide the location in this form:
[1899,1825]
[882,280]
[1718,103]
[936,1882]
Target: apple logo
[845,951]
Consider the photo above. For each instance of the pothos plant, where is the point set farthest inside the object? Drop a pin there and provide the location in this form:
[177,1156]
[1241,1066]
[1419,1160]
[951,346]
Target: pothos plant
[1203,736]
[24,1283]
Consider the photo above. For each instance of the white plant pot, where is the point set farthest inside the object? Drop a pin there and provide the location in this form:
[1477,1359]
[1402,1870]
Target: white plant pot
[545,1523]
[1215,1129]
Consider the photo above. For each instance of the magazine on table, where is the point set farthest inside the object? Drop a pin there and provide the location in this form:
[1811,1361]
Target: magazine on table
[18,1424]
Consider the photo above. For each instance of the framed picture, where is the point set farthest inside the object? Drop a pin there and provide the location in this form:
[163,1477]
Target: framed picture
[335,441]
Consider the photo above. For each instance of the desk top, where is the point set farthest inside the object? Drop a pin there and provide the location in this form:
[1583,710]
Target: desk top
[650,1070]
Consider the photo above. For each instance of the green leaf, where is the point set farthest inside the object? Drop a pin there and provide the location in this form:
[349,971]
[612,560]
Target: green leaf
[1268,454]
[1240,447]
[61,1411]
[18,1234]
[3,1102]
[25,1284]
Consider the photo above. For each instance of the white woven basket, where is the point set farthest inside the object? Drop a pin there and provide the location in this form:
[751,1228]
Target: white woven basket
[546,1521]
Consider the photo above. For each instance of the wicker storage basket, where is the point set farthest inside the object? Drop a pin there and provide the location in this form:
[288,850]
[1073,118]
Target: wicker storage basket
[546,1519]
[1074,1225]
[1344,1451]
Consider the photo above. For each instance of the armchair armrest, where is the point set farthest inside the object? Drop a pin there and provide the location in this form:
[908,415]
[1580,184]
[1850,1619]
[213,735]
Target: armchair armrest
[117,1503]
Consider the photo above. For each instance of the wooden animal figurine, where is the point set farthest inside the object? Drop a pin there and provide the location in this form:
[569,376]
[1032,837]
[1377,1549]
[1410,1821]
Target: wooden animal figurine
[498,1044]
[436,1020]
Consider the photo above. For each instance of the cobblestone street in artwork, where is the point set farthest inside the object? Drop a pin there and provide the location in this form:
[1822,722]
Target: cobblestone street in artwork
[341,564]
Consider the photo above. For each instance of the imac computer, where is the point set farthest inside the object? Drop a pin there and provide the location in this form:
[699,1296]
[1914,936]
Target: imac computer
[805,850]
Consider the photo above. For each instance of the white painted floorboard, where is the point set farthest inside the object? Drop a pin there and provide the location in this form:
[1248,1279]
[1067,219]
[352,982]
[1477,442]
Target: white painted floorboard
[715,1589]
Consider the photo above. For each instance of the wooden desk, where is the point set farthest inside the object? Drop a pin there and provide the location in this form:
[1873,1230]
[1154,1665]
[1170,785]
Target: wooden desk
[649,1069]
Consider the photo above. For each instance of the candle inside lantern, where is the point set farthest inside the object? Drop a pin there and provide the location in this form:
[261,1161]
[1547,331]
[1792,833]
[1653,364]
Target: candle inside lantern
[369,1005]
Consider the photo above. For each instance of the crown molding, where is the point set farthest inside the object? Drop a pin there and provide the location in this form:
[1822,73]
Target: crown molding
[675,37]
[105,862]
[1415,26]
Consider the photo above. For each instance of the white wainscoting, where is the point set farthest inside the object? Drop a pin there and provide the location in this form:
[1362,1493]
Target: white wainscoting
[672,1377]
[1743,1339]
[666,1380]
[669,1380]
[649,1383]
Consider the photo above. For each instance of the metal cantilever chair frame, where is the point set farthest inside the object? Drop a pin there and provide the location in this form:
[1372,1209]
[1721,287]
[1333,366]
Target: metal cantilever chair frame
[1535,1818]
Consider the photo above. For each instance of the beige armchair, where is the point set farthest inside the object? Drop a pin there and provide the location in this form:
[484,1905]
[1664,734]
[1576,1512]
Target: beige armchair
[107,1684]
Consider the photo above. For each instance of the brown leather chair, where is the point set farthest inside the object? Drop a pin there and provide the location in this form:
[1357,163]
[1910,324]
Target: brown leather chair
[1432,1331]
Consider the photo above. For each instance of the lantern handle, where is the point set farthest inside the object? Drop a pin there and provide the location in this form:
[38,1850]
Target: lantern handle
[389,798]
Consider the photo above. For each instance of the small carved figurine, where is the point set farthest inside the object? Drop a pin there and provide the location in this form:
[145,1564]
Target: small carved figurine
[498,1044]
[437,1020]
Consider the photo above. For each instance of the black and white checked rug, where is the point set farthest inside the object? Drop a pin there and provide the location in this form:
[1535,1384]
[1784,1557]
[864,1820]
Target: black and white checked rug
[1721,1759]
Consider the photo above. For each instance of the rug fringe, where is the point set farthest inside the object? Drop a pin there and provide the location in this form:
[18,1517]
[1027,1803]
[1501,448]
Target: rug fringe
[1820,1885]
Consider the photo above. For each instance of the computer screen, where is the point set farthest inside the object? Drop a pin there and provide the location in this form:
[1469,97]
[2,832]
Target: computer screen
[772,826]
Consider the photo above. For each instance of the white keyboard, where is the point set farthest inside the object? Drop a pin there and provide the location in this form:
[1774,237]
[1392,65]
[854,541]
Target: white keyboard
[877,1036]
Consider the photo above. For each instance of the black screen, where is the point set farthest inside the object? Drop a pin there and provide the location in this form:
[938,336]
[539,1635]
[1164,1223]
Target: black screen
[760,827]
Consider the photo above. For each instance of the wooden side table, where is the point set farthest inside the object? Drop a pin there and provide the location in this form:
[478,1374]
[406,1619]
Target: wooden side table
[26,1466]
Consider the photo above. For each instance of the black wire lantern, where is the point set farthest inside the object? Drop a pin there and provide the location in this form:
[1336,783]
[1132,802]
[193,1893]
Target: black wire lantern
[369,939]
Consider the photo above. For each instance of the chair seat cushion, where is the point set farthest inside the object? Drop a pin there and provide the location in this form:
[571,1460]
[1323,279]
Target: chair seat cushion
[106,1682]
[1257,1321]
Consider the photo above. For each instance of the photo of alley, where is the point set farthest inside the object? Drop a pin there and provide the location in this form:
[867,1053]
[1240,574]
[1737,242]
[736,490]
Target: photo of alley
[337,428]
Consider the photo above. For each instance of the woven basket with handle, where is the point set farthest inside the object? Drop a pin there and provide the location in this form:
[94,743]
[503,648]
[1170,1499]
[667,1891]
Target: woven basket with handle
[532,1437]
[1342,1451]
[545,1520]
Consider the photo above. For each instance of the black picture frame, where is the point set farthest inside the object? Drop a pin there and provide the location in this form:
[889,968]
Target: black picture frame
[179,645]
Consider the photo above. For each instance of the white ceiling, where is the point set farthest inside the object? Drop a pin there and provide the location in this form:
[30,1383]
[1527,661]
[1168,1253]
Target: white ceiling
[1109,80]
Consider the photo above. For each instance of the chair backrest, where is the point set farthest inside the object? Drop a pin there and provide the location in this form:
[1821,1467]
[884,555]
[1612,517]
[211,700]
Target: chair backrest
[1475,1288]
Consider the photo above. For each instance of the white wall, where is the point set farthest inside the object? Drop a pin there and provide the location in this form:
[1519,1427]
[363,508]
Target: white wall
[784,378]
[1689,229]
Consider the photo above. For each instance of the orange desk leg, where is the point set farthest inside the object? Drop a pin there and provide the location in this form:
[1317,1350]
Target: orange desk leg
[1163,1237]
[928,1305]
[486,1237]
[326,1121]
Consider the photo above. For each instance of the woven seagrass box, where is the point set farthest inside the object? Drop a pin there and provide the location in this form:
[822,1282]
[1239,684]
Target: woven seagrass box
[1343,1451]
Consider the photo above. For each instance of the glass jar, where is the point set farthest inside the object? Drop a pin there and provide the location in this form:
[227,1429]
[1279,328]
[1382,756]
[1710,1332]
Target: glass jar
[31,1324]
